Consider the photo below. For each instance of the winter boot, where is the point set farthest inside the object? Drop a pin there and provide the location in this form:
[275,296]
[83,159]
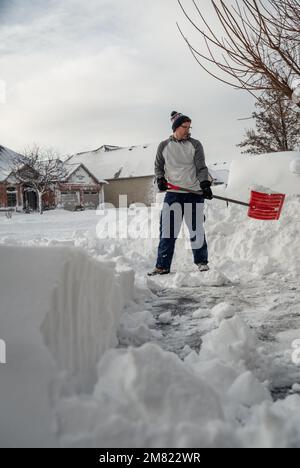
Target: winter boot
[159,271]
[202,267]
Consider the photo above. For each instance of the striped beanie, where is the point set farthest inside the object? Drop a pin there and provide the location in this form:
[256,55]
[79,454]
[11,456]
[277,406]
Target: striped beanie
[178,119]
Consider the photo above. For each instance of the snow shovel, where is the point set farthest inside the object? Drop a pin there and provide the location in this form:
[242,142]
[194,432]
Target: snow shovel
[264,206]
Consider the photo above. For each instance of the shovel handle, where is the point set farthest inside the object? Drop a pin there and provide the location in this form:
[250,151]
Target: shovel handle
[230,200]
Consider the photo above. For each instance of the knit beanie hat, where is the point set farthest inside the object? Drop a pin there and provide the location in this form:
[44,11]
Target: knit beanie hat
[178,119]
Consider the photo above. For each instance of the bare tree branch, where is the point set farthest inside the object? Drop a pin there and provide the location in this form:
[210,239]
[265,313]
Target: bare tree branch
[38,170]
[258,48]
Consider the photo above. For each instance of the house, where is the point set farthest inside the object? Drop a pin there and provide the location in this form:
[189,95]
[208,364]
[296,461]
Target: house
[79,189]
[128,171]
[13,193]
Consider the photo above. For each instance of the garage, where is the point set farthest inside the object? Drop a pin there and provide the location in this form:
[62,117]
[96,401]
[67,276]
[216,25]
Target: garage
[80,190]
[70,199]
[90,199]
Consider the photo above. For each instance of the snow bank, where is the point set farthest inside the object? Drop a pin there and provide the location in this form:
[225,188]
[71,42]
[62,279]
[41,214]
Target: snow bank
[222,311]
[295,166]
[144,397]
[147,397]
[277,171]
[60,311]
[245,248]
[233,364]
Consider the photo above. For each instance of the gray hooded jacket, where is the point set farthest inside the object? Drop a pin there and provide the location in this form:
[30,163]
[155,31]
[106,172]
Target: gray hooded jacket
[181,162]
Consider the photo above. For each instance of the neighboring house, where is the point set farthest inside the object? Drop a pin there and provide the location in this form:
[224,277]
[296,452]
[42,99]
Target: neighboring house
[79,189]
[13,193]
[129,171]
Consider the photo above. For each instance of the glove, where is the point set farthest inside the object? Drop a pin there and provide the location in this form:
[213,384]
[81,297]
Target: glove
[205,187]
[162,184]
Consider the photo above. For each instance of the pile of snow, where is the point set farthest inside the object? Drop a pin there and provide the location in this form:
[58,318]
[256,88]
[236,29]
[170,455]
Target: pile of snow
[276,171]
[60,311]
[144,397]
[295,166]
[147,397]
[222,311]
[136,328]
[241,247]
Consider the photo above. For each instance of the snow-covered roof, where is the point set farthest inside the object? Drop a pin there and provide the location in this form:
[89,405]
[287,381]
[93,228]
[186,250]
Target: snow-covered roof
[109,162]
[7,159]
[113,162]
[71,168]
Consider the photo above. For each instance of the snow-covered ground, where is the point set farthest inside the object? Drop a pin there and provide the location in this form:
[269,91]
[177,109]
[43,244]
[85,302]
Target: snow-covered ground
[201,360]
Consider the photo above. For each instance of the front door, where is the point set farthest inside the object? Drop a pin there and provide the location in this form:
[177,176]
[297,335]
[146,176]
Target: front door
[30,199]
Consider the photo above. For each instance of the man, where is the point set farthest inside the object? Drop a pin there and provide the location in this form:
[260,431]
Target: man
[180,161]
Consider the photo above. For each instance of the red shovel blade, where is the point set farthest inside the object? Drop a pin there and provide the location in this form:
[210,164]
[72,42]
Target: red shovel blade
[265,206]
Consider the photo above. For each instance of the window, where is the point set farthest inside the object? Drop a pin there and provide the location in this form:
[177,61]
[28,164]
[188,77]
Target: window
[11,193]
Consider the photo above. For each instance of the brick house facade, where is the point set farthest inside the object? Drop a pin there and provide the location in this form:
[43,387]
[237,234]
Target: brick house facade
[80,189]
[10,195]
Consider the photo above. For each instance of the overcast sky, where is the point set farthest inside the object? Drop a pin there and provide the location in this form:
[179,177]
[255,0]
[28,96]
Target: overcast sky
[80,74]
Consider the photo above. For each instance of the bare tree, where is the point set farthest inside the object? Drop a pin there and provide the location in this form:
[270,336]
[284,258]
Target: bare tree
[290,11]
[277,126]
[38,170]
[259,46]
